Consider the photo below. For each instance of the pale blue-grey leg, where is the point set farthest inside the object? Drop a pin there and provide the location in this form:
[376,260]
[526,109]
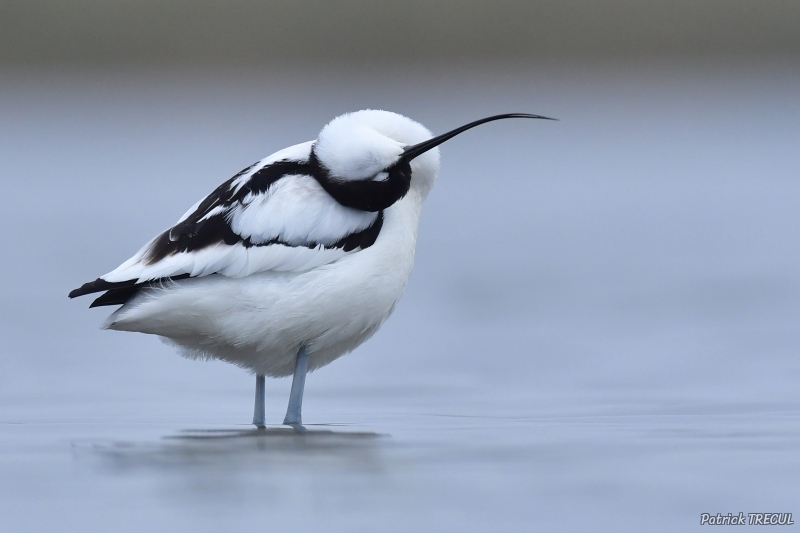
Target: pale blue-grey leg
[293,412]
[258,412]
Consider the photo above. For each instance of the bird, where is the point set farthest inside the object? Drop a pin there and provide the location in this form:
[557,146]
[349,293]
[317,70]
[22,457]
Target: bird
[294,261]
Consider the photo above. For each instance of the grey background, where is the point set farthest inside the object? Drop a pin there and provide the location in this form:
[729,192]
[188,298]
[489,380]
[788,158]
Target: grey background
[207,33]
[601,330]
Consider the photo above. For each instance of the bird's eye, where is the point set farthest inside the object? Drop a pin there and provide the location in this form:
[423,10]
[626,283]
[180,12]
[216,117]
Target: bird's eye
[381,176]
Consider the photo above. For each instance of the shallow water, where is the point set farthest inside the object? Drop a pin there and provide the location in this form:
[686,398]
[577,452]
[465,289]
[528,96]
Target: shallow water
[601,331]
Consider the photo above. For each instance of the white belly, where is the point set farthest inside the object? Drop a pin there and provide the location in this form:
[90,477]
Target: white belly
[260,321]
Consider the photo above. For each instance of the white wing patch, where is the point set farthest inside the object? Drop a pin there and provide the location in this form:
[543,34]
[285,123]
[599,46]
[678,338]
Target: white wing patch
[234,261]
[296,210]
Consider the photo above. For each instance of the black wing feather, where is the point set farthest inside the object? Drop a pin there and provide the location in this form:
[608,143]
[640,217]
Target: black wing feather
[197,232]
[117,293]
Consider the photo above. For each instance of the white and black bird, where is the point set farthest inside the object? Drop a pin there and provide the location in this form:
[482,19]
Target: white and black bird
[294,261]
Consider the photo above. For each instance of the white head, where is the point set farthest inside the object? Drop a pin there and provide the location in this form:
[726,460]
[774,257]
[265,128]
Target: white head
[361,146]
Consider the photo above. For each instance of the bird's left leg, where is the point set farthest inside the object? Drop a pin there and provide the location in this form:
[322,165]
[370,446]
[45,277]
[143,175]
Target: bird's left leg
[258,411]
[293,412]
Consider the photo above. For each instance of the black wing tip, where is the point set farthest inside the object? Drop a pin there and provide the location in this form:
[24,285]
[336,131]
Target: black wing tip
[115,297]
[118,288]
[86,288]
[100,285]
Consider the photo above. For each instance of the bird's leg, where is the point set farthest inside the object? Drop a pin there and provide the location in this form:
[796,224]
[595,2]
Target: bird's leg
[293,412]
[258,412]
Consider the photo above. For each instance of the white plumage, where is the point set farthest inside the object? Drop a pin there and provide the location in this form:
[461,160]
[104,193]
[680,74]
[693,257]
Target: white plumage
[294,261]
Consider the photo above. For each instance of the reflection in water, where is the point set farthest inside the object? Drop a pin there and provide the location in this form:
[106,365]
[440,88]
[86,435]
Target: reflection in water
[271,468]
[247,449]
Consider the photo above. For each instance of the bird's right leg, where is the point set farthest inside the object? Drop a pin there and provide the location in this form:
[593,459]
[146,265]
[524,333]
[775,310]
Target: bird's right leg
[258,412]
[293,411]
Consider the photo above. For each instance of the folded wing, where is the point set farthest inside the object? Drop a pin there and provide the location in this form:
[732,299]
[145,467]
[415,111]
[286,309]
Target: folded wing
[272,216]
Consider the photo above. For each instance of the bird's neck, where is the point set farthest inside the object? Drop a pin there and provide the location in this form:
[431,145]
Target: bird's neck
[365,195]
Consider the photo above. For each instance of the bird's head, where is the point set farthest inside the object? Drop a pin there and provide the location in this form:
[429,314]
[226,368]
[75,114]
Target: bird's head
[370,159]
[363,146]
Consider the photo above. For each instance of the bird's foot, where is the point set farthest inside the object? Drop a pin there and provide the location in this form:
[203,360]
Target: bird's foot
[296,426]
